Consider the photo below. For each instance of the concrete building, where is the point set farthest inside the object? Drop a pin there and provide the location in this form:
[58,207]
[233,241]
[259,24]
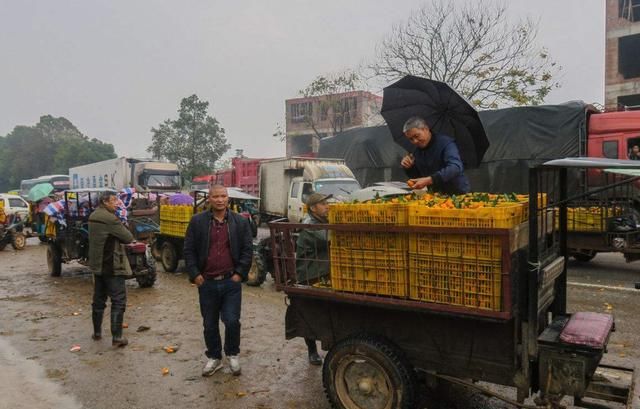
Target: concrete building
[309,119]
[622,62]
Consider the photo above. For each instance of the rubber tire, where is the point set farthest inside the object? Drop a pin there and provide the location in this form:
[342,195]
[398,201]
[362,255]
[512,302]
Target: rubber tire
[54,260]
[381,351]
[18,241]
[156,249]
[584,258]
[3,245]
[169,257]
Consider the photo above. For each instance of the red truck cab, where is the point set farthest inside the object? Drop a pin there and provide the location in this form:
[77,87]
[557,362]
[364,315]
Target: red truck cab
[613,134]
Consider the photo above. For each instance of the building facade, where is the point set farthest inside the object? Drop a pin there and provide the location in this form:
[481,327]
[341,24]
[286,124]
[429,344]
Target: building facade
[310,119]
[622,61]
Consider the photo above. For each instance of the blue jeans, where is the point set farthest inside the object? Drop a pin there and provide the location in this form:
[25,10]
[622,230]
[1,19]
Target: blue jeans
[221,300]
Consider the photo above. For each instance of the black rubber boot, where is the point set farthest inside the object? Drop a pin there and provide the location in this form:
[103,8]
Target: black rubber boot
[116,329]
[314,357]
[96,317]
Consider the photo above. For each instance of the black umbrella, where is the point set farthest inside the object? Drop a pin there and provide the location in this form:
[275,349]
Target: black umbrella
[444,110]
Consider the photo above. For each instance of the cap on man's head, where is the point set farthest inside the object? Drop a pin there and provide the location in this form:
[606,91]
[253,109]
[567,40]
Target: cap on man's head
[316,198]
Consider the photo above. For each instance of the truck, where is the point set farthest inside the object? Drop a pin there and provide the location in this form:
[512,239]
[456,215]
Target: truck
[142,174]
[242,174]
[447,297]
[286,182]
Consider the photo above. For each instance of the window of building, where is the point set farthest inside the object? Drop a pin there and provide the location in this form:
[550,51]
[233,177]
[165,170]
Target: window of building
[300,112]
[629,101]
[628,52]
[629,9]
[610,149]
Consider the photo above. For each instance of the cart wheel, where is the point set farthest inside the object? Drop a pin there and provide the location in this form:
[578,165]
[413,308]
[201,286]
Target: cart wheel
[19,241]
[3,245]
[367,372]
[156,249]
[169,257]
[54,260]
[584,256]
[147,280]
[256,278]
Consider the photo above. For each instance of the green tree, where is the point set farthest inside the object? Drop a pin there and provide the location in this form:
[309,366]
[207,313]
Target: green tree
[472,47]
[194,141]
[51,146]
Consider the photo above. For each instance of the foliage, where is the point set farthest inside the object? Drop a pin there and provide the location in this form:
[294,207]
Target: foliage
[51,146]
[473,48]
[332,107]
[194,141]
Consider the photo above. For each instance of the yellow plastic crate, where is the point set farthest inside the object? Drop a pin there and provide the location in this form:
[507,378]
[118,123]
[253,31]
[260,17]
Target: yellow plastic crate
[486,217]
[468,246]
[468,283]
[588,219]
[369,240]
[368,213]
[171,228]
[369,271]
[177,213]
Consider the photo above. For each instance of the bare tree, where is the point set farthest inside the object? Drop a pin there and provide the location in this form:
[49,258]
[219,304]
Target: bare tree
[333,107]
[474,48]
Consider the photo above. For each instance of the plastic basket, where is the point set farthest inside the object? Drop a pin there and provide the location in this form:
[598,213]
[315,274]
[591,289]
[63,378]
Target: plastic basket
[177,213]
[487,217]
[467,246]
[366,213]
[369,240]
[475,284]
[175,229]
[369,271]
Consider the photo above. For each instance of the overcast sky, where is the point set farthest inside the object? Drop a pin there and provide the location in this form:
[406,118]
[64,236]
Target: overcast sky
[116,68]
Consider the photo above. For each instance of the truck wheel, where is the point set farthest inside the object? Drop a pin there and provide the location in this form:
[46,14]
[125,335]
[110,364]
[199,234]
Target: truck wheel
[54,260]
[156,249]
[584,256]
[18,241]
[169,257]
[368,372]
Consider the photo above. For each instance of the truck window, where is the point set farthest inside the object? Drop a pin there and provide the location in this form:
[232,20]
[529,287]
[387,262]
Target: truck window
[16,203]
[610,149]
[294,189]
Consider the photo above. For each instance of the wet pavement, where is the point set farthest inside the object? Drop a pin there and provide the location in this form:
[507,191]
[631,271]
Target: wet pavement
[43,318]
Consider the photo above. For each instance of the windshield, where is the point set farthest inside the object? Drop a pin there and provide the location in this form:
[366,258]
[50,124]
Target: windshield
[158,181]
[340,189]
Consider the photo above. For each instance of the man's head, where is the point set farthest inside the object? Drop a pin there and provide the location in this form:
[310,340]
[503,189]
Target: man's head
[417,131]
[635,149]
[109,200]
[218,198]
[317,204]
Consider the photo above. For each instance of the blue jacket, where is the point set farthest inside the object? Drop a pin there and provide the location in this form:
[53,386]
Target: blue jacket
[196,243]
[440,160]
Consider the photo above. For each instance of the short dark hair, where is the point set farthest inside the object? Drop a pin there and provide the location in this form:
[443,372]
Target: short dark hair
[106,195]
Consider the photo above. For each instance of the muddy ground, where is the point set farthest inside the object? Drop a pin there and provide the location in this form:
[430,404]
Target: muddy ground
[42,318]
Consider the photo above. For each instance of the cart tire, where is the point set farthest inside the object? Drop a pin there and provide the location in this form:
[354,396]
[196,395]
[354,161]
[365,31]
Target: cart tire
[3,245]
[156,249]
[584,256]
[54,260]
[149,279]
[19,241]
[368,372]
[169,257]
[255,278]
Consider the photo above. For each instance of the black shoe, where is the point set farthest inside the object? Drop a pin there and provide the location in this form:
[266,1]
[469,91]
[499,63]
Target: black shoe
[120,342]
[315,359]
[96,317]
[96,337]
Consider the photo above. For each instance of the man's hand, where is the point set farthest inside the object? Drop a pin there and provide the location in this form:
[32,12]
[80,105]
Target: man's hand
[407,162]
[421,183]
[236,278]
[199,280]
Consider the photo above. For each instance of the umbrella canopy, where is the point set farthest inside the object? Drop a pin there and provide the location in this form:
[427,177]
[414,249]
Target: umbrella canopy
[40,191]
[181,199]
[444,110]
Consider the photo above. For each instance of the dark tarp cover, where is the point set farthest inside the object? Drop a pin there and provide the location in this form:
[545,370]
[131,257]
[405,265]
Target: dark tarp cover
[519,138]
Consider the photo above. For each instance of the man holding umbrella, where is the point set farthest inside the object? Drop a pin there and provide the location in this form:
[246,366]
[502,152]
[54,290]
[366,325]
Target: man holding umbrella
[436,161]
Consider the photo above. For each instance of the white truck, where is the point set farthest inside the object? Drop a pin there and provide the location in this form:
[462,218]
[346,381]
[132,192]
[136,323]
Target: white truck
[286,182]
[142,174]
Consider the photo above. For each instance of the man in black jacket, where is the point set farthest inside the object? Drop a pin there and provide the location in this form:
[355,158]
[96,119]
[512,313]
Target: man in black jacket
[218,251]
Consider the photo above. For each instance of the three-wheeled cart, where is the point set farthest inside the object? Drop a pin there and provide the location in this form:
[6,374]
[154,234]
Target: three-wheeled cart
[457,304]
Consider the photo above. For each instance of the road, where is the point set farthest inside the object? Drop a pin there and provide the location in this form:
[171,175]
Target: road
[43,318]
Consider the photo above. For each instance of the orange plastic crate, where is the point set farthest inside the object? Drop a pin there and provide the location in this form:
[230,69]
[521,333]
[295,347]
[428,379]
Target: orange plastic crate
[369,271]
[469,283]
[369,240]
[467,246]
[368,213]
[487,217]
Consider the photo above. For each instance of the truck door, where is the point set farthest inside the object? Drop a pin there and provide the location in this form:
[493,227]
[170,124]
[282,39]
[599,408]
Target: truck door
[295,206]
